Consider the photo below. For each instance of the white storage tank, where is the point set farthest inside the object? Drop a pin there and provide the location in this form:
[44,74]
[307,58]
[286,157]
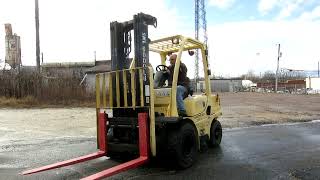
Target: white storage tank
[313,85]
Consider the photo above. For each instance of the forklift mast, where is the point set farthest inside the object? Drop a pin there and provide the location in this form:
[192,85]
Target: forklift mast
[121,47]
[120,50]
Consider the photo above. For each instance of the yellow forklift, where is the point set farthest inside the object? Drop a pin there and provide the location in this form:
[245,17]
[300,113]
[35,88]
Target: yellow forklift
[137,110]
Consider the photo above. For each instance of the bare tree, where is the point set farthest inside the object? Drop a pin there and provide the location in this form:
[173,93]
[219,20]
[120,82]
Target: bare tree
[269,76]
[250,76]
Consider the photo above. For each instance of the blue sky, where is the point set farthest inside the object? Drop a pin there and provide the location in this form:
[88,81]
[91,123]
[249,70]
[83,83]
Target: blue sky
[241,10]
[242,33]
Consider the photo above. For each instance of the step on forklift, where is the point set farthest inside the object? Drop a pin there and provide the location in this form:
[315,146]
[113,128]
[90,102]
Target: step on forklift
[137,110]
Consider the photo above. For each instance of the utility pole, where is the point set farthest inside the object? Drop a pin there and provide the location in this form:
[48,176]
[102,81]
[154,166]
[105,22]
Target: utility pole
[42,58]
[318,69]
[37,35]
[277,72]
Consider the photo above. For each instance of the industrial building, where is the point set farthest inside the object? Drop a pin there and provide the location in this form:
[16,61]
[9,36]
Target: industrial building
[222,85]
[66,69]
[290,86]
[81,70]
[90,75]
[77,69]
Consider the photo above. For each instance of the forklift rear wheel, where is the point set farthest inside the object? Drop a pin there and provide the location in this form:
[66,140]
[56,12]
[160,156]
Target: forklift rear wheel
[183,145]
[215,134]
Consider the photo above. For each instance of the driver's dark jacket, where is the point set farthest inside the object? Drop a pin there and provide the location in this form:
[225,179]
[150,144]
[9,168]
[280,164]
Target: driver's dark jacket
[183,80]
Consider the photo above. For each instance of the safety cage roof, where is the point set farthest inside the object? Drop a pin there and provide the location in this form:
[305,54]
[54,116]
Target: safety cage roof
[173,44]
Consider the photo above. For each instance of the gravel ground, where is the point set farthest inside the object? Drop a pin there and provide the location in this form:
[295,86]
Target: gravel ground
[239,110]
[64,133]
[282,152]
[249,109]
[46,123]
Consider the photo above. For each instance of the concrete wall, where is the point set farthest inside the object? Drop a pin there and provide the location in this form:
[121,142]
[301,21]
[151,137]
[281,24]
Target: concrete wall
[226,85]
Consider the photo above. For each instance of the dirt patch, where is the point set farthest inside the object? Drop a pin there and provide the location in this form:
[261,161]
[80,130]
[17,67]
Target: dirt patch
[239,110]
[247,109]
[28,125]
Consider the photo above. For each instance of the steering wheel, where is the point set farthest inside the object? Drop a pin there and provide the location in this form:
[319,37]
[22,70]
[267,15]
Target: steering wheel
[162,68]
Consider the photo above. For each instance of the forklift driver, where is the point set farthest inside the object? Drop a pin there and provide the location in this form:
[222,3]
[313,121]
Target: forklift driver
[182,84]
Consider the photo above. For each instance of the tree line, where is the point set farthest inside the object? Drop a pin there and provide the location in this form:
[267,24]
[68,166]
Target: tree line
[270,76]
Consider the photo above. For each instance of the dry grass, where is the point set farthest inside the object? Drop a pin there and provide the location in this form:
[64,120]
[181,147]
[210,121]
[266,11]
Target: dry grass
[23,90]
[31,102]
[28,101]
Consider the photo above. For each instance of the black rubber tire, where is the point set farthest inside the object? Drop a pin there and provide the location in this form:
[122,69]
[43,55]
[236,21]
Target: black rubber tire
[183,146]
[215,134]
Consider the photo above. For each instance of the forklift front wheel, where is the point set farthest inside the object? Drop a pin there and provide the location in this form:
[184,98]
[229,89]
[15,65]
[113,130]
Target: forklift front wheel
[215,134]
[183,145]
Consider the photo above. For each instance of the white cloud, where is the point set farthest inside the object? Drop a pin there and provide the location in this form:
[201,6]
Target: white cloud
[72,30]
[287,7]
[234,46]
[222,4]
[311,16]
[265,6]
